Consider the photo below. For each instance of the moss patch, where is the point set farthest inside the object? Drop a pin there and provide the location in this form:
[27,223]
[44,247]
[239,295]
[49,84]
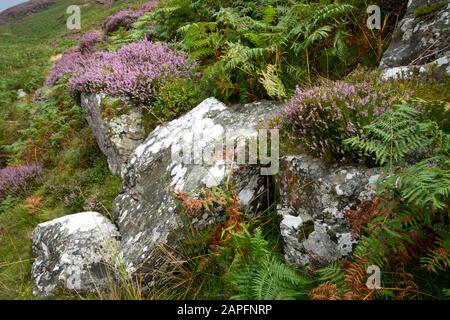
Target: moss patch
[110,108]
[427,9]
[305,230]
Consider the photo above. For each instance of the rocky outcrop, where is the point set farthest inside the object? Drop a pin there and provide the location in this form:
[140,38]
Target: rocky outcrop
[118,128]
[146,211]
[421,43]
[73,253]
[312,203]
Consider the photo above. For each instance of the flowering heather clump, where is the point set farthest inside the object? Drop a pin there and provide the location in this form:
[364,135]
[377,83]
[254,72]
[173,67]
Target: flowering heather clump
[68,62]
[149,6]
[125,18]
[19,180]
[88,41]
[74,58]
[320,118]
[132,72]
[122,19]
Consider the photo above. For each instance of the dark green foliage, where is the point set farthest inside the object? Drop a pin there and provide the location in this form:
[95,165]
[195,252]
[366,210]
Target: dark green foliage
[428,8]
[393,135]
[412,220]
[256,274]
[264,54]
[175,98]
[437,111]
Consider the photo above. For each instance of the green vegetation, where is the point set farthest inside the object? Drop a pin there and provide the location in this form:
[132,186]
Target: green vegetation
[304,52]
[427,9]
[51,132]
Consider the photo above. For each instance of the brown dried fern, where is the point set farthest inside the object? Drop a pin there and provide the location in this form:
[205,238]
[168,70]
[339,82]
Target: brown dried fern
[325,291]
[355,280]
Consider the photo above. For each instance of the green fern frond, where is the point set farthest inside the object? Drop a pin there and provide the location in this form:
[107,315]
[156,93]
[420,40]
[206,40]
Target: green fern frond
[272,82]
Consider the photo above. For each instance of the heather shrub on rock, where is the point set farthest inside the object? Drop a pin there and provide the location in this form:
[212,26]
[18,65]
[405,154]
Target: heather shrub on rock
[19,180]
[66,64]
[133,72]
[321,117]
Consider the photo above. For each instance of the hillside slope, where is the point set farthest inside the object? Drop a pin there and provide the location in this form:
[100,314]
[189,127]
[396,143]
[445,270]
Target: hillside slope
[52,133]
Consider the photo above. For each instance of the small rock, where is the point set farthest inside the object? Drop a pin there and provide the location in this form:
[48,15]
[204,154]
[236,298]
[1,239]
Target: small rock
[73,253]
[21,94]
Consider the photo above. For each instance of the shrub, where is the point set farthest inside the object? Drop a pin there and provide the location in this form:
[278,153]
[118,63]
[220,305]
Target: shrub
[132,72]
[125,18]
[19,180]
[149,6]
[74,58]
[321,117]
[412,217]
[66,64]
[122,19]
[176,97]
[88,41]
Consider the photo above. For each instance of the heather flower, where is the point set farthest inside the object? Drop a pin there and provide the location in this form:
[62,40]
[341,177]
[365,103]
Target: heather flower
[74,58]
[149,6]
[320,118]
[88,41]
[125,18]
[19,180]
[122,19]
[69,61]
[132,72]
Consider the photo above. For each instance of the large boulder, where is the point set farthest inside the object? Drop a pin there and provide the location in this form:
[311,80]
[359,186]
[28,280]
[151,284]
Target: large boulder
[146,211]
[117,127]
[312,201]
[421,43]
[73,253]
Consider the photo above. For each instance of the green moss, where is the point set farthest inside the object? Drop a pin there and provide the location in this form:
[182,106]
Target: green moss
[429,8]
[173,99]
[305,230]
[110,108]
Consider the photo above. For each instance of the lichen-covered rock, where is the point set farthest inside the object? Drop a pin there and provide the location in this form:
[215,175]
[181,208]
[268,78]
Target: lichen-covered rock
[73,253]
[118,128]
[146,210]
[312,201]
[421,43]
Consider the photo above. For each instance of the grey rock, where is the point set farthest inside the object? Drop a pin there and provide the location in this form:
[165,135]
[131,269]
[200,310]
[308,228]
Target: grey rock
[312,201]
[117,135]
[73,253]
[420,45]
[146,211]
